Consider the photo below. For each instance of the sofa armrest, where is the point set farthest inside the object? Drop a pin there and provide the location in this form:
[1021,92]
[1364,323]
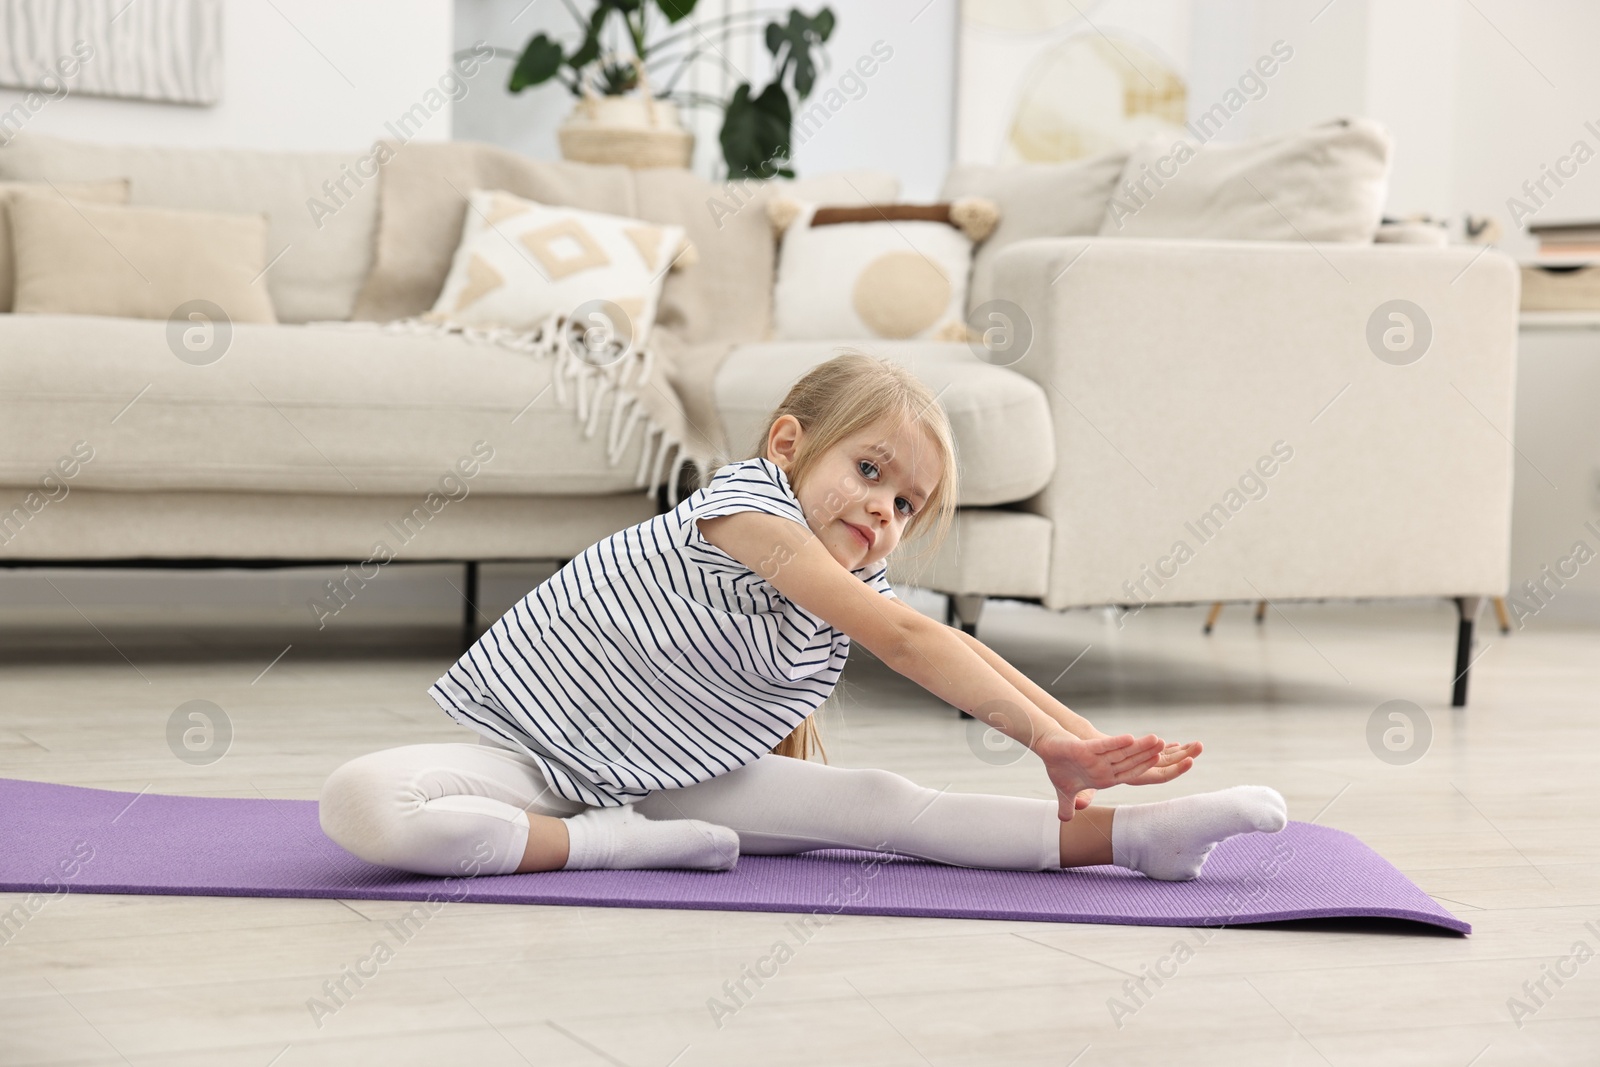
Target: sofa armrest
[1232,422]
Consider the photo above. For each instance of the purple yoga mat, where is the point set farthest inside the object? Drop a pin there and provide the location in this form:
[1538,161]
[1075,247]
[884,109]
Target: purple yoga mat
[62,838]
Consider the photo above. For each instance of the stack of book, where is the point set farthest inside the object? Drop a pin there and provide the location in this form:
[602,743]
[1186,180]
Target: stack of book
[1567,239]
[1565,275]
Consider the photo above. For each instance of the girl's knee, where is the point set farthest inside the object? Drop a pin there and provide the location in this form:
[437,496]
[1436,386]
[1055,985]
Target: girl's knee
[357,804]
[884,789]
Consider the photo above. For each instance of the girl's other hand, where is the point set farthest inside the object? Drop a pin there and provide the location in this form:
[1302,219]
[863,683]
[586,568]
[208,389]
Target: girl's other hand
[1175,760]
[1076,764]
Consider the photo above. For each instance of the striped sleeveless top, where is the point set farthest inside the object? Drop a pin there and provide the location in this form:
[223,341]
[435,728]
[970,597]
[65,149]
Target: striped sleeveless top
[653,660]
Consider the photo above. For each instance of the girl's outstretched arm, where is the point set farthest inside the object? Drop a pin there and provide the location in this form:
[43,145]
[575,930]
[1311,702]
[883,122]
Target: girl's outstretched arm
[1070,720]
[929,653]
[1175,759]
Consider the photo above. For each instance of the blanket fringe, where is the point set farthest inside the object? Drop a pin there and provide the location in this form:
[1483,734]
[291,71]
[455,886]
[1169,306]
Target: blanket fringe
[591,387]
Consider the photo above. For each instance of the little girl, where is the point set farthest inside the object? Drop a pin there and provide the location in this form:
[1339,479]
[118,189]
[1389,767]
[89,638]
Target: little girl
[650,704]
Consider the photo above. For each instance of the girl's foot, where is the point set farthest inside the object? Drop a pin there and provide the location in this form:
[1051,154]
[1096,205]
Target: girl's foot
[623,839]
[1170,839]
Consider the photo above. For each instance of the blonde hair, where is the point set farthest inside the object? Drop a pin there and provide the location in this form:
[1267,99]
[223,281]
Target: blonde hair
[838,399]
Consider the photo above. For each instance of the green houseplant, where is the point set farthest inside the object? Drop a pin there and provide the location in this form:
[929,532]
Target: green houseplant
[626,47]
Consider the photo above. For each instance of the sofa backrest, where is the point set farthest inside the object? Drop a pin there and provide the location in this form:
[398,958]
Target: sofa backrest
[321,210]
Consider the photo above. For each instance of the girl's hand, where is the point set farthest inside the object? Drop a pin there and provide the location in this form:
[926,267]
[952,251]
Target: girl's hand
[1076,764]
[1175,759]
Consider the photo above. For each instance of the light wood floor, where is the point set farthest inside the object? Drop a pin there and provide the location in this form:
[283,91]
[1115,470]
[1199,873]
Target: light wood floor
[1497,820]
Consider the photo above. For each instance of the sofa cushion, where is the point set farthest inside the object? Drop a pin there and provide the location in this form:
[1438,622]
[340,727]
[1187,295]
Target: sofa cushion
[1035,200]
[994,552]
[1000,419]
[321,206]
[1325,183]
[138,262]
[170,524]
[292,409]
[107,192]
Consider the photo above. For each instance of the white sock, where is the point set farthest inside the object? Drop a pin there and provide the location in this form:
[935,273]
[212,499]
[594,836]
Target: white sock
[623,839]
[1170,839]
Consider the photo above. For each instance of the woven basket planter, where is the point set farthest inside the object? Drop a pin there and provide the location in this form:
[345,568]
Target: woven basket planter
[635,131]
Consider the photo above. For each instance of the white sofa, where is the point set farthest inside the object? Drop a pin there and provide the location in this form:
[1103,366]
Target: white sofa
[1159,374]
[1399,477]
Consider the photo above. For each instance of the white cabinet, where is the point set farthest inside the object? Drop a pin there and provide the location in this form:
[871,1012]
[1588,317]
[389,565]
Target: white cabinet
[1557,482]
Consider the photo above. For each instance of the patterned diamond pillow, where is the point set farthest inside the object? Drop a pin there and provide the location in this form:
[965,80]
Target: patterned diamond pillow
[521,261]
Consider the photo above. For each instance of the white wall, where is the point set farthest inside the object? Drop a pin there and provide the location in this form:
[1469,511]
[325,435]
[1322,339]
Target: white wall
[1527,84]
[525,122]
[1479,96]
[1412,80]
[297,74]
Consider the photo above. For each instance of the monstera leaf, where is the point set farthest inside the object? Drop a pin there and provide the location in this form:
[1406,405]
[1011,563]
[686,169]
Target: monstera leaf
[755,129]
[755,133]
[542,58]
[675,10]
[538,64]
[800,35]
[589,50]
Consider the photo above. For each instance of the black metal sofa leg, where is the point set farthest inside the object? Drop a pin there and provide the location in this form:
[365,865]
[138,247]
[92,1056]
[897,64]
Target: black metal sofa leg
[962,610]
[469,609]
[1467,610]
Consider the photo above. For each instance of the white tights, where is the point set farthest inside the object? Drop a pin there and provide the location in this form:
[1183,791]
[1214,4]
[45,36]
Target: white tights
[457,809]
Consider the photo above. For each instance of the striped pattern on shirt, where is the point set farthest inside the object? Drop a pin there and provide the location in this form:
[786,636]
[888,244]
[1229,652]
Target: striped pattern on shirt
[653,660]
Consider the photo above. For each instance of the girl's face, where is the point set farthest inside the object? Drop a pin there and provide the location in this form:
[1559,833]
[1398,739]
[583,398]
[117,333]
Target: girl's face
[860,495]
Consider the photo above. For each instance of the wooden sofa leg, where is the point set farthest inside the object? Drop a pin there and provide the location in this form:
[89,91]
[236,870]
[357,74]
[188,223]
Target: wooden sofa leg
[1500,614]
[469,609]
[1467,608]
[1211,617]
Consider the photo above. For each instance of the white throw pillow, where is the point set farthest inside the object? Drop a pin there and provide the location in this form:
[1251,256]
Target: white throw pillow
[901,279]
[521,261]
[1324,183]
